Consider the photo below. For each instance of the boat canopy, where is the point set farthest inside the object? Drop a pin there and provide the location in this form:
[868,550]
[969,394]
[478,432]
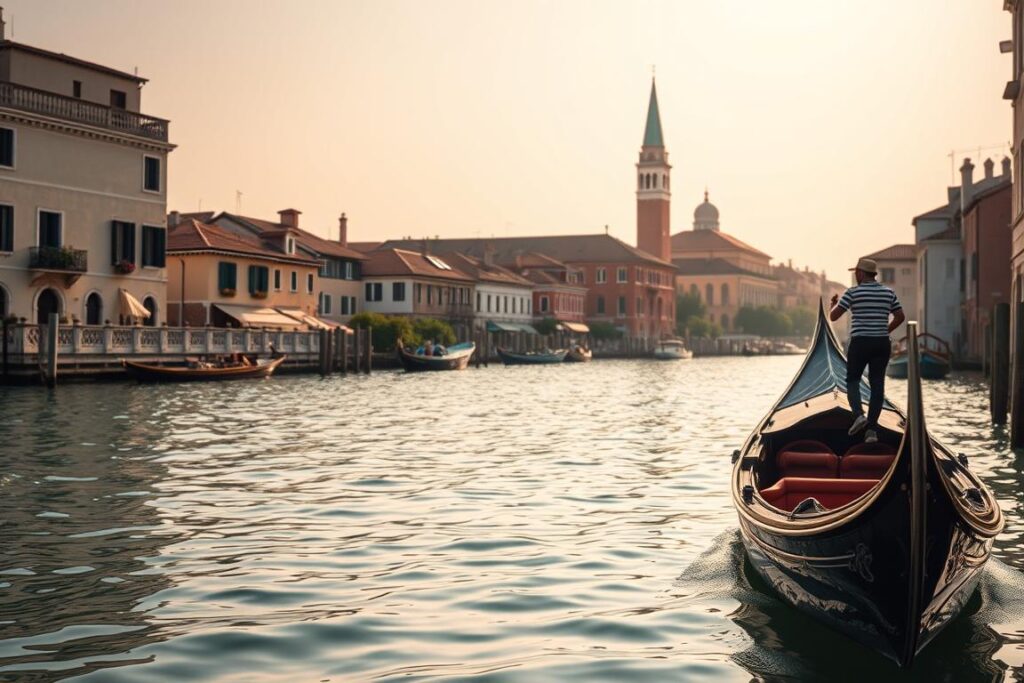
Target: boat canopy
[256,316]
[493,326]
[824,369]
[578,328]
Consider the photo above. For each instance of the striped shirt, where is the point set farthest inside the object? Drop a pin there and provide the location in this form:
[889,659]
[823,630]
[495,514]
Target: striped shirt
[870,304]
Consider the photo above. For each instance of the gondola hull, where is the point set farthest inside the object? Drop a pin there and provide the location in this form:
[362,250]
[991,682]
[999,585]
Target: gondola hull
[932,367]
[884,543]
[579,356]
[146,372]
[510,358]
[457,358]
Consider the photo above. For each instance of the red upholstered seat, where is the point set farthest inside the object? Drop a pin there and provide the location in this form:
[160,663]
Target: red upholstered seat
[807,458]
[867,461]
[787,493]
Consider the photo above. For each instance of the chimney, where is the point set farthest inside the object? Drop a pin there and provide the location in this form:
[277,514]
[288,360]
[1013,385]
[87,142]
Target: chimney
[1006,166]
[966,183]
[989,165]
[425,245]
[489,255]
[343,230]
[289,217]
[173,218]
[3,25]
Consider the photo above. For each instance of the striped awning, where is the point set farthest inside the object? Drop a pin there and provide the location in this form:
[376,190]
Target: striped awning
[256,316]
[578,328]
[132,307]
[493,326]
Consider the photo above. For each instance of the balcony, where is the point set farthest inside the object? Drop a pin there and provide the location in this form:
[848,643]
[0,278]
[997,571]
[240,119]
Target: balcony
[70,263]
[46,103]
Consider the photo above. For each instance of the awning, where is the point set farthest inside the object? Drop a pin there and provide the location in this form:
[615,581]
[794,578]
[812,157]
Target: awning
[311,320]
[132,307]
[509,327]
[578,328]
[256,316]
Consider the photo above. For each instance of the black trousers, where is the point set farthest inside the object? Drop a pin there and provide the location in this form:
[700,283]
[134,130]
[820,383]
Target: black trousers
[871,353]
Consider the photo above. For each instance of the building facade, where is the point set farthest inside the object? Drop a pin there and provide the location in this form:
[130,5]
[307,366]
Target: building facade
[83,187]
[987,241]
[340,292]
[222,279]
[416,284]
[500,295]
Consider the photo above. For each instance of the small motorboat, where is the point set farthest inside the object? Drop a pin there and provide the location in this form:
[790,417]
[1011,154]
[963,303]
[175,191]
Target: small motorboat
[455,357]
[532,357]
[197,370]
[672,349]
[885,541]
[934,353]
[578,354]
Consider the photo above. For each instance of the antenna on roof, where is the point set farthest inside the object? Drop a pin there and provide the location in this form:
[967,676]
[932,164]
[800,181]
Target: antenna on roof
[606,228]
[238,201]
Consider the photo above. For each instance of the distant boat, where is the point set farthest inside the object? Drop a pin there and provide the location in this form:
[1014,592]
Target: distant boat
[885,543]
[197,371]
[672,349]
[455,357]
[578,354]
[934,353]
[532,357]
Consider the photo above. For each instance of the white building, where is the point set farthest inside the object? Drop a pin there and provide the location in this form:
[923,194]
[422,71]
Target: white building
[83,187]
[502,296]
[411,283]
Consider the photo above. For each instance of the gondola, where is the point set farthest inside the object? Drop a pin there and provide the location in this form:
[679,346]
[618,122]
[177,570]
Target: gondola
[579,354]
[199,372]
[456,357]
[934,354]
[884,542]
[532,357]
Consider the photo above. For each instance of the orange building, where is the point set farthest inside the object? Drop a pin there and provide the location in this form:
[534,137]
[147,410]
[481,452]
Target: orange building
[223,279]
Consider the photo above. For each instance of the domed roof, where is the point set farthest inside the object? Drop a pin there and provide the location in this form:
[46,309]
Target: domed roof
[705,216]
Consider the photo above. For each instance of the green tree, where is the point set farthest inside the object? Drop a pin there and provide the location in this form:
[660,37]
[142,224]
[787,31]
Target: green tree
[546,326]
[764,321]
[602,330]
[688,306]
[698,327]
[436,330]
[804,319]
[386,329]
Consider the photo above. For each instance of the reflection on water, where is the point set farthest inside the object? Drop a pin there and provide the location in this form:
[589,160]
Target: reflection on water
[519,523]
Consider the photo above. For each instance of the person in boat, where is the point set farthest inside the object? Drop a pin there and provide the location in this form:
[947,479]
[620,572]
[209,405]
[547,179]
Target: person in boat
[876,312]
[428,347]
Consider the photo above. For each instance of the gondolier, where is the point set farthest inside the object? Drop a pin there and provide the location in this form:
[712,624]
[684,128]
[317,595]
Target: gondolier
[870,304]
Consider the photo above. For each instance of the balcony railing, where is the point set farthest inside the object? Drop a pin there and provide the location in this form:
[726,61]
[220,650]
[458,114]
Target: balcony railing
[51,104]
[58,258]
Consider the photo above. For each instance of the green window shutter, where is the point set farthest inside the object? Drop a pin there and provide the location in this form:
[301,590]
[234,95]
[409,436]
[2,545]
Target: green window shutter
[264,278]
[253,279]
[129,243]
[115,253]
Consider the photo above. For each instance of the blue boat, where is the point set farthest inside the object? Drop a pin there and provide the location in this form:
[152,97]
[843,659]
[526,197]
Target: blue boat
[532,357]
[934,354]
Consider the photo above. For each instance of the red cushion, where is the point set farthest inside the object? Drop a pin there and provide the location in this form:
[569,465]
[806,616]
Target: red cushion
[787,493]
[867,461]
[807,459]
[877,448]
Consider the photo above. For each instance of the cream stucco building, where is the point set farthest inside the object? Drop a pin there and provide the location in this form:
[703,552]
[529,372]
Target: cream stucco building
[83,186]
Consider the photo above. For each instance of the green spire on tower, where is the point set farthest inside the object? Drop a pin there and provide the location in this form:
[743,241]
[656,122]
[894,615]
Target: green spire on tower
[652,133]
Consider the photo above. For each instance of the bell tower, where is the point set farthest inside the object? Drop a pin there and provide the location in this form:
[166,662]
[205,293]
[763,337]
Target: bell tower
[653,187]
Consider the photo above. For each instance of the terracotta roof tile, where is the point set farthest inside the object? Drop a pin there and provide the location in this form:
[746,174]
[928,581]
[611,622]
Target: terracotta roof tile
[714,266]
[896,252]
[191,235]
[384,262]
[476,269]
[706,240]
[306,239]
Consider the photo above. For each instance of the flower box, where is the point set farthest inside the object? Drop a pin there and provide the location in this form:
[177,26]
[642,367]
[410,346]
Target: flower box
[259,295]
[227,291]
[124,267]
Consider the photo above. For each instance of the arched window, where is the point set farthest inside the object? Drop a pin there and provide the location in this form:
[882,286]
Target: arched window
[725,322]
[694,290]
[725,294]
[94,309]
[659,308]
[709,294]
[47,303]
[654,180]
[600,305]
[647,181]
[150,304]
[666,181]
[640,181]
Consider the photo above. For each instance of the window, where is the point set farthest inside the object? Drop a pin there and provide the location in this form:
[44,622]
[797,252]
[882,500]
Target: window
[419,293]
[352,305]
[122,242]
[344,305]
[277,279]
[639,306]
[622,306]
[488,303]
[154,246]
[709,294]
[374,291]
[289,245]
[259,277]
[725,294]
[151,174]
[118,100]
[545,303]
[7,147]
[227,276]
[295,281]
[694,291]
[325,304]
[505,304]
[602,276]
[639,274]
[479,297]
[888,275]
[6,227]
[398,291]
[93,309]
[621,274]
[50,228]
[76,89]
[309,283]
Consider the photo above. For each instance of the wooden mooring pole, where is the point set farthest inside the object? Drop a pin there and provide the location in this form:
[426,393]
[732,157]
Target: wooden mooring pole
[1000,363]
[344,352]
[52,334]
[369,350]
[1017,379]
[3,344]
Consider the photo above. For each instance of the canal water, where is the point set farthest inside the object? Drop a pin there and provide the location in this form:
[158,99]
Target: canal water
[504,524]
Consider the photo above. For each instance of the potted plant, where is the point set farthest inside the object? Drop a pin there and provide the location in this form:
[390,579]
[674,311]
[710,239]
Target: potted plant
[259,295]
[124,266]
[227,291]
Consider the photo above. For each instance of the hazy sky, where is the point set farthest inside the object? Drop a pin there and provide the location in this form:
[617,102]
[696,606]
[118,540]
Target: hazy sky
[820,127]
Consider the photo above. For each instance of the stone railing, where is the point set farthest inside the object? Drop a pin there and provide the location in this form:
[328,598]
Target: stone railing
[25,338]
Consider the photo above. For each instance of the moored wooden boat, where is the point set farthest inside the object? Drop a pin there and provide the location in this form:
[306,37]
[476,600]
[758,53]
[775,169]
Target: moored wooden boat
[885,543]
[148,372]
[532,357]
[578,354]
[456,357]
[933,352]
[672,349]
